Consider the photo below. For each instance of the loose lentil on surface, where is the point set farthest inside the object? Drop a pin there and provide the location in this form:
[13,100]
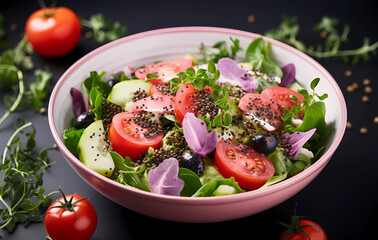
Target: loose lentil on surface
[365,99]
[368,89]
[348,73]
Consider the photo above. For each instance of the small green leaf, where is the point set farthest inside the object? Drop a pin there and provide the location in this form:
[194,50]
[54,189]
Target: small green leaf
[211,67]
[190,71]
[314,83]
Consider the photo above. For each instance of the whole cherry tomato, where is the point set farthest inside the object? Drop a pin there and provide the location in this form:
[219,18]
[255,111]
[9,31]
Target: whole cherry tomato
[303,229]
[71,217]
[53,32]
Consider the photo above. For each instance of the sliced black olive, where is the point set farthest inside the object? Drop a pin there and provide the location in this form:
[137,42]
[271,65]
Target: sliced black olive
[84,120]
[193,161]
[112,82]
[264,143]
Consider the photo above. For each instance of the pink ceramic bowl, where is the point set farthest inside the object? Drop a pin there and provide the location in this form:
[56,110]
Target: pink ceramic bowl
[172,43]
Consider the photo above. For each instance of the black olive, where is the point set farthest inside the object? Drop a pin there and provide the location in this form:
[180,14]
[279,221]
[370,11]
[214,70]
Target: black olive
[264,143]
[84,120]
[193,161]
[112,82]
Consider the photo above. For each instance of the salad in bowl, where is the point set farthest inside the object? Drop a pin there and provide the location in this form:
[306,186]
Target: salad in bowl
[224,121]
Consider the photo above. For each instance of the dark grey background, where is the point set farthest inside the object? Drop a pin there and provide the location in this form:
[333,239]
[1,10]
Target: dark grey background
[341,199]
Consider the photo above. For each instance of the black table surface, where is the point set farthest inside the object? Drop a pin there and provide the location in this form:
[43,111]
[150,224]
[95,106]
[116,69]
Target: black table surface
[341,199]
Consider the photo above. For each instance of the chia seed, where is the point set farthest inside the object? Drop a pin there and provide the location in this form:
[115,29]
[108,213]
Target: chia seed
[139,94]
[109,110]
[204,104]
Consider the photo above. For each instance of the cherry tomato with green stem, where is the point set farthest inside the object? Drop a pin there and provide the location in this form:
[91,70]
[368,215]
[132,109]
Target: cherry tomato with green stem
[71,217]
[303,229]
[53,32]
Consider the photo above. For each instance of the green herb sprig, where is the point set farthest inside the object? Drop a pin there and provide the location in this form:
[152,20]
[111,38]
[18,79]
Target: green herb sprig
[200,79]
[288,31]
[219,50]
[13,63]
[104,30]
[21,194]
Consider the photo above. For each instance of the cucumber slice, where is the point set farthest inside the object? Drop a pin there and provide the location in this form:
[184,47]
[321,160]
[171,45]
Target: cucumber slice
[122,93]
[295,86]
[92,150]
[224,190]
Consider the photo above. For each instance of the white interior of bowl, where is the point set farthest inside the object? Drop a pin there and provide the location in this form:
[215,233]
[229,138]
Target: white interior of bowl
[173,43]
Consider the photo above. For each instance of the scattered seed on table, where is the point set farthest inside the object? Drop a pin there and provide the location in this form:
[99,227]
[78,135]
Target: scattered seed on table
[349,125]
[365,98]
[348,73]
[366,81]
[363,130]
[355,85]
[13,27]
[376,120]
[251,18]
[88,35]
[350,89]
[368,89]
[42,110]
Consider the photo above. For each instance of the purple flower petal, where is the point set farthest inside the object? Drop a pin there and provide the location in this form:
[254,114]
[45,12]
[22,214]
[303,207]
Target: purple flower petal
[164,178]
[77,101]
[196,135]
[232,73]
[288,75]
[297,140]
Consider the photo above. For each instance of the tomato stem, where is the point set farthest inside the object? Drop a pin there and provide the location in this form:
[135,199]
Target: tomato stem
[42,4]
[68,204]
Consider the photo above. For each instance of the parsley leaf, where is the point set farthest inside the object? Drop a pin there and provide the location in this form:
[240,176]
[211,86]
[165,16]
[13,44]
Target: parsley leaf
[104,30]
[219,50]
[314,111]
[38,89]
[201,78]
[21,192]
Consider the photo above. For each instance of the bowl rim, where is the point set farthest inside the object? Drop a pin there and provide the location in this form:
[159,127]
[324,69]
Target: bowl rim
[201,200]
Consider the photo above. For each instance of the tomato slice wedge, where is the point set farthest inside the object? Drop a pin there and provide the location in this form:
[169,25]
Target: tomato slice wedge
[261,109]
[129,139]
[185,101]
[281,96]
[249,168]
[159,90]
[165,70]
[154,103]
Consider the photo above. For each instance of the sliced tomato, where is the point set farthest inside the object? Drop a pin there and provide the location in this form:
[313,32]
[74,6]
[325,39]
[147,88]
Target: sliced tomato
[165,70]
[129,139]
[154,90]
[281,96]
[261,109]
[160,90]
[249,168]
[154,103]
[184,101]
